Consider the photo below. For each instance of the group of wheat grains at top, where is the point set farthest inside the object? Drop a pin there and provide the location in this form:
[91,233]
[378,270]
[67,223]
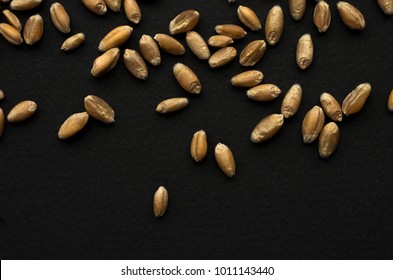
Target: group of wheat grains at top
[313,126]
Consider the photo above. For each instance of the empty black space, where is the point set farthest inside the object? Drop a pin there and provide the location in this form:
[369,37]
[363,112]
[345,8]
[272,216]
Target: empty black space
[91,197]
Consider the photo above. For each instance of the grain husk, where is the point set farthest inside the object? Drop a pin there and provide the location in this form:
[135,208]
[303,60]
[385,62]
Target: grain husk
[225,159]
[331,107]
[265,92]
[232,30]
[34,29]
[99,109]
[135,64]
[252,53]
[11,34]
[297,8]
[24,5]
[72,125]
[351,16]
[248,79]
[386,6]
[22,111]
[328,140]
[60,17]
[197,45]
[133,11]
[267,128]
[150,50]
[160,202]
[312,124]
[304,52]
[186,78]
[274,26]
[198,147]
[249,18]
[220,41]
[222,57]
[115,38]
[96,6]
[73,42]
[105,62]
[291,102]
[172,105]
[356,99]
[169,44]
[322,16]
[184,22]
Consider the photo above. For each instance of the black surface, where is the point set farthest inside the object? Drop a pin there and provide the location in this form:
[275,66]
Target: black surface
[91,197]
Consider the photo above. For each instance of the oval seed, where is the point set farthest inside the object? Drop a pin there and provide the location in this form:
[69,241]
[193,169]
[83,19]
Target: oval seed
[150,50]
[291,102]
[249,78]
[172,105]
[248,17]
[114,5]
[390,101]
[96,6]
[115,37]
[197,45]
[12,19]
[99,109]
[351,16]
[252,53]
[198,147]
[60,17]
[356,99]
[73,42]
[160,202]
[222,57]
[105,62]
[11,34]
[274,25]
[132,10]
[187,79]
[24,5]
[220,41]
[304,52]
[225,159]
[22,111]
[183,22]
[297,8]
[232,30]
[72,125]
[135,64]
[328,140]
[267,128]
[169,44]
[331,107]
[322,16]
[312,124]
[265,92]
[386,6]
[34,29]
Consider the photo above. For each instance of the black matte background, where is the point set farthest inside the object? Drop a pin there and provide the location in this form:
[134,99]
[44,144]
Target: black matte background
[91,197]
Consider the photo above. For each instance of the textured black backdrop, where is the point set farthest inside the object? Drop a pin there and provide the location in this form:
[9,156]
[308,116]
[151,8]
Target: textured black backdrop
[91,197]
